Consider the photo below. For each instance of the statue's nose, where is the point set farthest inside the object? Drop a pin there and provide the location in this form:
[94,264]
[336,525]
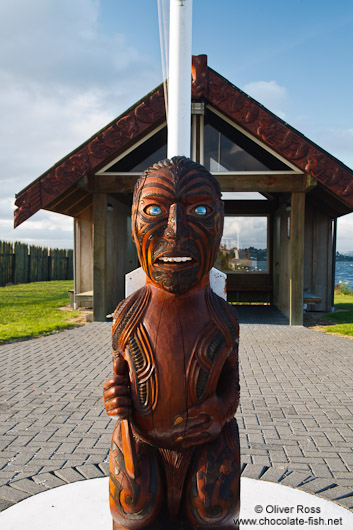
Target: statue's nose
[174,221]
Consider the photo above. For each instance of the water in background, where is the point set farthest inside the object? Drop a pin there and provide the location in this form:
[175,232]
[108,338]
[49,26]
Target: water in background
[344,272]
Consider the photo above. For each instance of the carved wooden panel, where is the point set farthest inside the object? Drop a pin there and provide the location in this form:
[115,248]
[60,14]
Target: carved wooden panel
[199,76]
[228,99]
[95,153]
[175,387]
[284,140]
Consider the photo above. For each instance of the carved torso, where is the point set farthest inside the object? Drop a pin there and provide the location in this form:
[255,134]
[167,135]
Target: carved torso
[175,348]
[175,362]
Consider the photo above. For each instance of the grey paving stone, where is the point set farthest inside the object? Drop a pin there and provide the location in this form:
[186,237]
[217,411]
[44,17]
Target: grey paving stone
[48,480]
[338,492]
[254,471]
[344,481]
[273,474]
[295,411]
[104,466]
[318,484]
[28,486]
[69,475]
[320,470]
[335,464]
[346,502]
[261,460]
[278,457]
[5,504]
[7,493]
[296,478]
[90,471]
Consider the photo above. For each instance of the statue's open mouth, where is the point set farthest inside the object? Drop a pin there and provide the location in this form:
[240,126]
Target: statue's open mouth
[175,255]
[175,259]
[170,262]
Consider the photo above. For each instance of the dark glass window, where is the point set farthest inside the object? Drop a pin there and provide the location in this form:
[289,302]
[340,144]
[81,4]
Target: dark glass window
[227,149]
[144,156]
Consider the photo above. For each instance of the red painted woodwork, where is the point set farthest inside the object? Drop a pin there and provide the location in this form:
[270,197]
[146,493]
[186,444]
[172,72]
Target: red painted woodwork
[175,389]
[282,138]
[92,155]
[209,86]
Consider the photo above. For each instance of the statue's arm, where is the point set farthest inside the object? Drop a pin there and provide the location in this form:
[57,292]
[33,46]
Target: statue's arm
[203,422]
[116,390]
[228,389]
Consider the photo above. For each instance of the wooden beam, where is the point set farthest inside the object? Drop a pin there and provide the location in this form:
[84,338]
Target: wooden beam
[309,182]
[109,183]
[66,200]
[80,206]
[249,207]
[296,259]
[99,256]
[272,183]
[275,182]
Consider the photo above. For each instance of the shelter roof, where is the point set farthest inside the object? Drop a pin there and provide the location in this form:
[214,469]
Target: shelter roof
[143,117]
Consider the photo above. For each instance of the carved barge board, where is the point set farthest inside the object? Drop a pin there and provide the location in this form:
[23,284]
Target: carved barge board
[209,86]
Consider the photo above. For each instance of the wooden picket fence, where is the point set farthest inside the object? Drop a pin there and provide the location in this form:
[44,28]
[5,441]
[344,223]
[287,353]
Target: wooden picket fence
[21,263]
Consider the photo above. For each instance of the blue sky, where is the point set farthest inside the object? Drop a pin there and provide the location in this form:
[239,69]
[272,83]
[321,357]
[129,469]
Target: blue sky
[69,67]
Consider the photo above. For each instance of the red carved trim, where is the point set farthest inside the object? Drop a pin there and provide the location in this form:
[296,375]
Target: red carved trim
[284,140]
[95,153]
[29,200]
[229,100]
[199,73]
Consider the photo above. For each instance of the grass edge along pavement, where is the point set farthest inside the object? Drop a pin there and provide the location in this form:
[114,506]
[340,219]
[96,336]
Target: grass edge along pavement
[341,320]
[33,309]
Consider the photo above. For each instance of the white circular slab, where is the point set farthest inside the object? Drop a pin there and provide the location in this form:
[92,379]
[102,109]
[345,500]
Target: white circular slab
[84,505]
[274,506]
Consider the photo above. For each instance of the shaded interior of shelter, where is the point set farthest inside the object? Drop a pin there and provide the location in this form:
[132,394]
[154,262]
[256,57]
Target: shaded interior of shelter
[261,314]
[226,151]
[291,202]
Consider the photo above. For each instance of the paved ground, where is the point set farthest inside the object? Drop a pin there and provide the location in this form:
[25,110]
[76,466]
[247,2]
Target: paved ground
[295,416]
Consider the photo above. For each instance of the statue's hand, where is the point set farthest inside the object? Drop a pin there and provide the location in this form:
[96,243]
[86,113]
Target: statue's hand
[199,424]
[116,391]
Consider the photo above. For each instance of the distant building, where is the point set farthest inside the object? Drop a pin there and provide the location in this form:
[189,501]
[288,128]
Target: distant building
[248,148]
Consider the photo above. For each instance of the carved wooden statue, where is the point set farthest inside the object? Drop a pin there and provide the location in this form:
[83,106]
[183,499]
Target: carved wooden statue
[175,448]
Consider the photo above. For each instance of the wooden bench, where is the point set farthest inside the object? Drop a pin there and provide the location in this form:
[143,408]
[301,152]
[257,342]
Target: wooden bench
[82,299]
[257,293]
[310,298]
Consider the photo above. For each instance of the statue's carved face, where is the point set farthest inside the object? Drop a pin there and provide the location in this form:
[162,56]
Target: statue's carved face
[177,224]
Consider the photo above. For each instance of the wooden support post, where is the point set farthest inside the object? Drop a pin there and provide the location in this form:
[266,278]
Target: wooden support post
[99,256]
[296,271]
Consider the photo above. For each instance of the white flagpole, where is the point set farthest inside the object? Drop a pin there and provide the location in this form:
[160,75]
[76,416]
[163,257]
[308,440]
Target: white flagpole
[179,82]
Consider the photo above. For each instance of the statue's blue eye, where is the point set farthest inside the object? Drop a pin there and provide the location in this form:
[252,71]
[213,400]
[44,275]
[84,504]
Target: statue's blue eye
[154,210]
[200,210]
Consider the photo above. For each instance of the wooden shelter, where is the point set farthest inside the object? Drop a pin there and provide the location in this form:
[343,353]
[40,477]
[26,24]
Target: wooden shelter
[249,149]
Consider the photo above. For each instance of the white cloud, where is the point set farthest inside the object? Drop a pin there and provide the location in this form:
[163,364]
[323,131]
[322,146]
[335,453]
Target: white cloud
[5,224]
[338,142]
[46,127]
[270,94]
[345,233]
[61,42]
[62,78]
[45,229]
[248,231]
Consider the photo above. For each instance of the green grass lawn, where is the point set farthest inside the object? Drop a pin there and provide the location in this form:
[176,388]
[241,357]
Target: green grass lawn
[32,309]
[343,315]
